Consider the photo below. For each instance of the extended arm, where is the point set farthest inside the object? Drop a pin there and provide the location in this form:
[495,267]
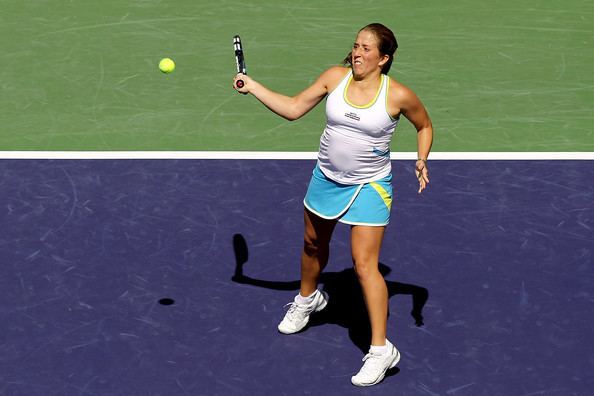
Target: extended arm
[292,107]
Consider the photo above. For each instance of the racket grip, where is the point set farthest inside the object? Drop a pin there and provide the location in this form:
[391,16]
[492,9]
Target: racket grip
[240,84]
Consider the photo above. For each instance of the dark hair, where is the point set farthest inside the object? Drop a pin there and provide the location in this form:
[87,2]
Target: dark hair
[386,44]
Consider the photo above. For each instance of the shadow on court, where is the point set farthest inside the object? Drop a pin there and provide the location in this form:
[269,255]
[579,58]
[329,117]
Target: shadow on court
[346,306]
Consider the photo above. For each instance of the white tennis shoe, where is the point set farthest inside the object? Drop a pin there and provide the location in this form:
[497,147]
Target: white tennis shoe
[375,366]
[297,316]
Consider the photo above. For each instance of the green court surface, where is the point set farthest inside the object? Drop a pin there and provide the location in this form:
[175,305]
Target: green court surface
[502,75]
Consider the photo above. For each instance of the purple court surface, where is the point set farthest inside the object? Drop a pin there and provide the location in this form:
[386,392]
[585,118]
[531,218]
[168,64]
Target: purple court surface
[166,277]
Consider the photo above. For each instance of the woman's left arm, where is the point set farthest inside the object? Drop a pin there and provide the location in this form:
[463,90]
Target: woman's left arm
[412,108]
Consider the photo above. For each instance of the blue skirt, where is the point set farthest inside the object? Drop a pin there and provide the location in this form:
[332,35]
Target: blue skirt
[358,204]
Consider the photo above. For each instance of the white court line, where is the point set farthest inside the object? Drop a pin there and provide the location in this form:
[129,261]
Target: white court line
[286,155]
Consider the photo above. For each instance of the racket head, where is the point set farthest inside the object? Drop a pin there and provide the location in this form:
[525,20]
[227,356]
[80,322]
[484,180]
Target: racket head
[239,58]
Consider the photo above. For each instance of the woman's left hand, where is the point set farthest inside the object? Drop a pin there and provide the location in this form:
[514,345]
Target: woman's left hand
[422,174]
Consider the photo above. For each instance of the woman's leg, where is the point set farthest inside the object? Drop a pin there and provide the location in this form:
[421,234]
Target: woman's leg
[316,248]
[366,243]
[314,258]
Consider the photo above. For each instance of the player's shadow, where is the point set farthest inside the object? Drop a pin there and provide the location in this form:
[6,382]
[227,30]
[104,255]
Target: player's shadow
[346,306]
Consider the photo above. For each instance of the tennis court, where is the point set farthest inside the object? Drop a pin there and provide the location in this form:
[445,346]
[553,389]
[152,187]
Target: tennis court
[123,186]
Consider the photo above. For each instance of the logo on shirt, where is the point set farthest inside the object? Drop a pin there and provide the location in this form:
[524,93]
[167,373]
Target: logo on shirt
[352,116]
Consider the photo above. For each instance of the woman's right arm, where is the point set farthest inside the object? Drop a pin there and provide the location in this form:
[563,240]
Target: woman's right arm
[292,107]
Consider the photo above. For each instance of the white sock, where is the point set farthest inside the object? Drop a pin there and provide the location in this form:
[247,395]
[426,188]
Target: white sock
[378,349]
[299,299]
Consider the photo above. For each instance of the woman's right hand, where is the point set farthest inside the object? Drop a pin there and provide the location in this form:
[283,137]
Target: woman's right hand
[247,83]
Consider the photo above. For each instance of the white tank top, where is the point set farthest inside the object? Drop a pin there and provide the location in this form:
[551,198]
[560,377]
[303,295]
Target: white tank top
[355,145]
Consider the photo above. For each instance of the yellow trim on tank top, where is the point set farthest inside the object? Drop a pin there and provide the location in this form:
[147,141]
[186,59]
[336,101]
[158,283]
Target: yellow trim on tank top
[382,193]
[387,91]
[344,94]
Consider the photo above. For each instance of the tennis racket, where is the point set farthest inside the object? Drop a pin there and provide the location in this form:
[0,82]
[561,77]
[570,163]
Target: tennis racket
[239,59]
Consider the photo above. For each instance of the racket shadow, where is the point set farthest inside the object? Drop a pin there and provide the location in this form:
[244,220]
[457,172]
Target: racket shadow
[346,306]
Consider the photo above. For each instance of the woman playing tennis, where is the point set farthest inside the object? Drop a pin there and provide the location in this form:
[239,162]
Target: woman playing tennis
[351,182]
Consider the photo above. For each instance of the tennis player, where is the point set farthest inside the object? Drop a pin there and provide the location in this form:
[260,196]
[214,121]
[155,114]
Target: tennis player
[352,182]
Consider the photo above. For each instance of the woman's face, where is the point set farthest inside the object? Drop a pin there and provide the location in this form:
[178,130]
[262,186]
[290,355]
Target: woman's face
[366,57]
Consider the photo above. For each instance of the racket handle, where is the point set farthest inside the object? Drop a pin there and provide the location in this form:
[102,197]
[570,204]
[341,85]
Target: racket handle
[239,84]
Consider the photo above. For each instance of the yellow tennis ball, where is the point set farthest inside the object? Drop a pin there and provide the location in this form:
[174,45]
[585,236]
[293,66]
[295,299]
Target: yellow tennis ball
[166,65]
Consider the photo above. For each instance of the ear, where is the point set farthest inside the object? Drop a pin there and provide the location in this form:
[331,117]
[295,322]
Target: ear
[384,59]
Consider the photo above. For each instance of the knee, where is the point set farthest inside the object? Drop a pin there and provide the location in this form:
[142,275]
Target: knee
[365,268]
[313,247]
